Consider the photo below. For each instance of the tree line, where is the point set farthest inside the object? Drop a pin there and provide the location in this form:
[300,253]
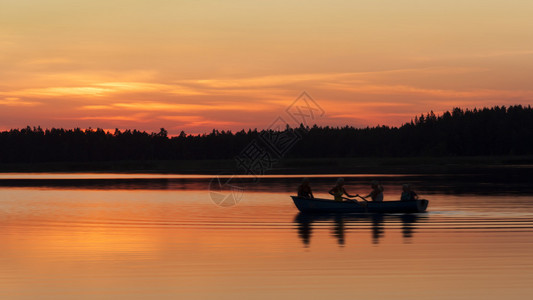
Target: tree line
[497,130]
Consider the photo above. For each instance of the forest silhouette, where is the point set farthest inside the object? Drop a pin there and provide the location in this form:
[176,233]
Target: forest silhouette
[498,130]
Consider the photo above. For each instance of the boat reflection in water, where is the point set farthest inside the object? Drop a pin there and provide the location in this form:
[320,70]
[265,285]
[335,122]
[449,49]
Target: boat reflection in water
[342,222]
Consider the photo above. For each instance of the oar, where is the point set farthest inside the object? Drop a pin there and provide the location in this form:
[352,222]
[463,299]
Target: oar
[366,202]
[353,200]
[362,198]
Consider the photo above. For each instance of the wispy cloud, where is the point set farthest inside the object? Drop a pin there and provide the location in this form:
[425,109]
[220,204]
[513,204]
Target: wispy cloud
[104,89]
[480,55]
[198,121]
[383,89]
[355,98]
[14,101]
[175,107]
[298,78]
[114,118]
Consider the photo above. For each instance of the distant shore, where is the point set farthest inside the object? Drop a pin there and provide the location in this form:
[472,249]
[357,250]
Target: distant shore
[369,165]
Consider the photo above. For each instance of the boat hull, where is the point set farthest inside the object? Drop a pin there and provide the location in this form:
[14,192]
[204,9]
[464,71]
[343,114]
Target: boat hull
[317,205]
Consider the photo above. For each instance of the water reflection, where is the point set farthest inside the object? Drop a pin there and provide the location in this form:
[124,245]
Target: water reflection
[378,230]
[340,222]
[338,229]
[408,226]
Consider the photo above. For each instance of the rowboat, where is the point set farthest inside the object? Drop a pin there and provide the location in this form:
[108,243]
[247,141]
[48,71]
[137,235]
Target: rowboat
[317,205]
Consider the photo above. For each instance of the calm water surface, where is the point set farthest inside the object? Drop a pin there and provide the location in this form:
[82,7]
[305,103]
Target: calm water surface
[95,236]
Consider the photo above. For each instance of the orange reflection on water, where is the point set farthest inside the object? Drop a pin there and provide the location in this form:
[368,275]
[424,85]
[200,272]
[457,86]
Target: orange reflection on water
[168,244]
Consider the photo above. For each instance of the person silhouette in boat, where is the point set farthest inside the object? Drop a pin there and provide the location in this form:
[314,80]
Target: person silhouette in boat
[338,191]
[304,190]
[408,194]
[376,194]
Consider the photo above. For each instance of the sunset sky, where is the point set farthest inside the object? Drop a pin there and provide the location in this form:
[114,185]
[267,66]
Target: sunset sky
[204,64]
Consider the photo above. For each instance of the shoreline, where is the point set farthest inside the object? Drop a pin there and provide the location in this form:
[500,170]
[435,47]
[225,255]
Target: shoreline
[288,166]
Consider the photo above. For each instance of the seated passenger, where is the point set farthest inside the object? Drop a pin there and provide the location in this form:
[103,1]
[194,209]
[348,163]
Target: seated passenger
[304,190]
[408,194]
[377,192]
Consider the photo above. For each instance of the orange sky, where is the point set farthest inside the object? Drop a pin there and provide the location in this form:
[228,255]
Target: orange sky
[198,65]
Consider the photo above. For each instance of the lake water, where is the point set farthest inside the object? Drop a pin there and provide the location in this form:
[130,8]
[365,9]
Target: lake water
[116,236]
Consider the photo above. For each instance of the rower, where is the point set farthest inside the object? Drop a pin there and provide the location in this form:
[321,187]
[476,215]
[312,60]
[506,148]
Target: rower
[377,192]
